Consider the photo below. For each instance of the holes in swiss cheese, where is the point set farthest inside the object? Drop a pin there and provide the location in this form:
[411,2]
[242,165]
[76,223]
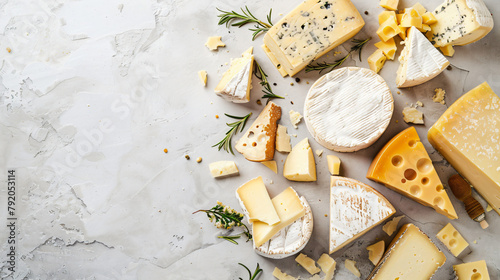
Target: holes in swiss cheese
[438,201]
[254,144]
[412,143]
[397,160]
[425,181]
[453,243]
[415,190]
[476,276]
[410,174]
[439,188]
[424,165]
[251,134]
[455,234]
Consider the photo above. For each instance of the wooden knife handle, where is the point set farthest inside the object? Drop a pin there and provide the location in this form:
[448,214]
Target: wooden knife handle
[473,208]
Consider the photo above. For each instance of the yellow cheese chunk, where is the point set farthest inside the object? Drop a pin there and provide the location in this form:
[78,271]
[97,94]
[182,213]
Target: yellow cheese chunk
[389,48]
[388,29]
[447,50]
[467,136]
[202,74]
[300,164]
[412,115]
[283,140]
[327,264]
[411,18]
[351,266]
[439,94]
[403,165]
[295,118]
[214,42]
[271,165]
[333,164]
[428,18]
[282,275]
[424,28]
[383,16]
[403,32]
[289,208]
[307,263]
[222,169]
[376,251]
[489,208]
[399,17]
[419,8]
[254,196]
[452,239]
[389,4]
[472,271]
[391,226]
[410,256]
[377,60]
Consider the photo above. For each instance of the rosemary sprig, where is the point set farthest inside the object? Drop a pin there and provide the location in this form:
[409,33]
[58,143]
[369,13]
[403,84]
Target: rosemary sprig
[242,19]
[262,76]
[225,217]
[324,65]
[235,128]
[250,275]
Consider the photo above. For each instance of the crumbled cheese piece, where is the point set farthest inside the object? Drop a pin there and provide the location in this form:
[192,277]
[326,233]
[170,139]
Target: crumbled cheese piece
[412,115]
[489,208]
[281,275]
[351,266]
[391,226]
[199,159]
[439,96]
[203,77]
[214,42]
[319,153]
[420,104]
[295,118]
[307,263]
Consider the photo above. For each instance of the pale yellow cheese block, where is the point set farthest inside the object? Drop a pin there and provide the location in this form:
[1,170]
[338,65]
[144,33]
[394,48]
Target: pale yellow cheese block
[271,164]
[300,164]
[254,196]
[472,271]
[333,164]
[452,239]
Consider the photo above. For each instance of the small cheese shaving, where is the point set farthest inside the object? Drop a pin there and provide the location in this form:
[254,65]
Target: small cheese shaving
[439,96]
[327,264]
[307,263]
[391,226]
[489,208]
[295,118]
[214,42]
[412,115]
[281,275]
[351,266]
[203,77]
[420,104]
[319,152]
[376,251]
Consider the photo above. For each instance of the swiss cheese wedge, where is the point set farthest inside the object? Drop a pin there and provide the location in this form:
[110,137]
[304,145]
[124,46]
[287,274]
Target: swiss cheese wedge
[403,165]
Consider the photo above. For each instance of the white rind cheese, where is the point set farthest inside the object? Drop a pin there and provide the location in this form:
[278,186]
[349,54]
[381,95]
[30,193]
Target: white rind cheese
[420,61]
[236,83]
[348,109]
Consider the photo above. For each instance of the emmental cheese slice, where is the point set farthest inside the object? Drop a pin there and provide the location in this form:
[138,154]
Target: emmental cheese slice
[403,165]
[472,271]
[300,164]
[355,208]
[289,208]
[311,30]
[460,22]
[410,256]
[467,135]
[236,82]
[255,200]
[257,144]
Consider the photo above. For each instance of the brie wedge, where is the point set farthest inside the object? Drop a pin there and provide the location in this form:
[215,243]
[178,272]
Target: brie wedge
[236,82]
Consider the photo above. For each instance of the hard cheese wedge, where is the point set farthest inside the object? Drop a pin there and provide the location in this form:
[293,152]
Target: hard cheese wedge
[410,256]
[300,164]
[460,22]
[472,271]
[236,82]
[403,165]
[257,203]
[355,208]
[311,30]
[289,208]
[467,135]
[258,142]
[420,61]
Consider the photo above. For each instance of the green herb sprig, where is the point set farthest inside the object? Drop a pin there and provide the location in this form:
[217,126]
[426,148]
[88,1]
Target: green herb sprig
[330,66]
[245,18]
[250,275]
[262,76]
[235,127]
[226,218]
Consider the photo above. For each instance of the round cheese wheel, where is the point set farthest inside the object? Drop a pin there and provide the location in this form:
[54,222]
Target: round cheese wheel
[348,109]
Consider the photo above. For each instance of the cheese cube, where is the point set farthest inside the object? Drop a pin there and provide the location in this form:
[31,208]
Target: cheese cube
[419,8]
[271,164]
[388,29]
[472,271]
[376,60]
[424,28]
[383,16]
[452,239]
[411,18]
[300,164]
[312,29]
[257,203]
[399,17]
[307,263]
[447,50]
[327,264]
[333,164]
[388,48]
[222,169]
[283,140]
[429,18]
[389,4]
[202,74]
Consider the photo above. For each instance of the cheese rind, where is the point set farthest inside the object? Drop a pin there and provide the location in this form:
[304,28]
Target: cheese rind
[307,263]
[472,271]
[236,82]
[403,165]
[300,164]
[255,199]
[452,239]
[355,208]
[283,140]
[222,169]
[410,256]
[467,136]
[311,30]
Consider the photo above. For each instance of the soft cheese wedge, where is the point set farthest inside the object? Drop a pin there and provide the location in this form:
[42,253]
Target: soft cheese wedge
[348,109]
[289,208]
[255,200]
[355,208]
[311,30]
[300,164]
[420,61]
[236,82]
[467,135]
[460,22]
[403,165]
[258,142]
[410,256]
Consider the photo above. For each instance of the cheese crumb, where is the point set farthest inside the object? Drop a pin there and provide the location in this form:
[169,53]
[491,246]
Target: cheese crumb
[439,96]
[351,266]
[336,53]
[307,263]
[475,241]
[489,208]
[319,153]
[391,226]
[412,115]
[8,50]
[295,118]
[202,74]
[187,157]
[214,42]
[420,104]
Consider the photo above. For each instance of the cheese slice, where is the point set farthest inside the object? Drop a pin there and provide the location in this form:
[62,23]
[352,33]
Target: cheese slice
[333,164]
[348,109]
[236,82]
[254,198]
[452,239]
[403,165]
[291,239]
[472,271]
[307,263]
[376,251]
[420,61]
[410,256]
[327,265]
[257,144]
[283,140]
[460,22]
[468,137]
[222,169]
[271,165]
[311,30]
[289,208]
[300,164]
[355,208]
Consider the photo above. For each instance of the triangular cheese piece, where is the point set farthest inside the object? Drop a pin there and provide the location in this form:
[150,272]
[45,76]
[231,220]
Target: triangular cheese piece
[257,204]
[271,165]
[300,164]
[355,208]
[420,61]
[236,82]
[258,142]
[403,165]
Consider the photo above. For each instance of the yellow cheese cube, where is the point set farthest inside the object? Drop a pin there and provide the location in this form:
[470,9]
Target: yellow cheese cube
[419,8]
[383,16]
[399,17]
[388,48]
[428,18]
[447,50]
[376,60]
[473,270]
[452,239]
[388,29]
[411,18]
[333,164]
[403,32]
[389,4]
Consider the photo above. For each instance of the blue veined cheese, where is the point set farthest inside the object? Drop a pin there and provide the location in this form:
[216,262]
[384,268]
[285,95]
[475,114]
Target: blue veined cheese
[460,22]
[309,31]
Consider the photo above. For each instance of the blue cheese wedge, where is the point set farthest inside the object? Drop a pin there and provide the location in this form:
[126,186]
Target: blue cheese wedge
[236,82]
